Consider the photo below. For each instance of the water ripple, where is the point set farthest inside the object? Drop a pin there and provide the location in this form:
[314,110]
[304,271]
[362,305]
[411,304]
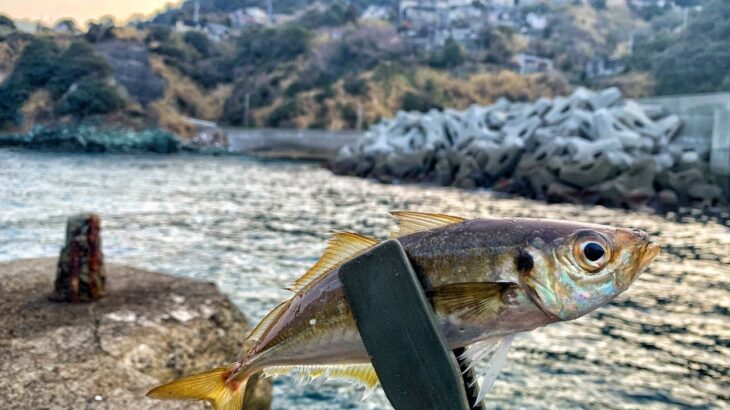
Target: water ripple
[253,227]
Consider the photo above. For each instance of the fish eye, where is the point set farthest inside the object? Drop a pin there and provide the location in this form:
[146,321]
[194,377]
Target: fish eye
[591,251]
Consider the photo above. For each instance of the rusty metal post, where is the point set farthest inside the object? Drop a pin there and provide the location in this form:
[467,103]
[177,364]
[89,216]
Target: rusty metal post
[80,276]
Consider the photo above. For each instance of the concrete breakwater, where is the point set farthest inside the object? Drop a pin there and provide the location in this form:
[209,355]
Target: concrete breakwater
[589,147]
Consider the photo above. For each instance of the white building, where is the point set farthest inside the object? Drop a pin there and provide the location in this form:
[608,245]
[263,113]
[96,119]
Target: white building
[375,13]
[528,64]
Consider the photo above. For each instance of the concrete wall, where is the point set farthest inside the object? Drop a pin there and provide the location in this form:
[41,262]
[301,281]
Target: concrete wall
[289,143]
[706,125]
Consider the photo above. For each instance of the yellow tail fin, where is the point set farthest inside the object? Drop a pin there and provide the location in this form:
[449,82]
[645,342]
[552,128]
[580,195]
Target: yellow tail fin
[210,386]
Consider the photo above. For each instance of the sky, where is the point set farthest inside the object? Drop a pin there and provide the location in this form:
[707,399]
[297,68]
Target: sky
[49,11]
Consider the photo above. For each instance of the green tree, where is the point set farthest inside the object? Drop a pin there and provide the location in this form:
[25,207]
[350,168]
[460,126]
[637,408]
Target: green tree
[598,4]
[158,33]
[263,48]
[699,60]
[34,69]
[418,102]
[282,115]
[354,85]
[5,21]
[200,42]
[90,98]
[498,44]
[37,63]
[349,114]
[77,63]
[450,56]
[453,53]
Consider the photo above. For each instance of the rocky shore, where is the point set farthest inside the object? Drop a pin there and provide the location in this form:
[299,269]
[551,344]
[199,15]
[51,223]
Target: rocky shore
[149,328]
[94,139]
[589,147]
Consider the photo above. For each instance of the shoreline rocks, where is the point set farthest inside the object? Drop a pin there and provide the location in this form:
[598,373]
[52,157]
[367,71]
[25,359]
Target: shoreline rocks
[589,147]
[150,328]
[95,139]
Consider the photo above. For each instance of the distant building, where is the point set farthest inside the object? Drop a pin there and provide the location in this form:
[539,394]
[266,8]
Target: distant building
[648,3]
[603,67]
[528,64]
[502,17]
[536,21]
[503,3]
[429,24]
[216,31]
[250,16]
[7,29]
[181,27]
[66,27]
[376,13]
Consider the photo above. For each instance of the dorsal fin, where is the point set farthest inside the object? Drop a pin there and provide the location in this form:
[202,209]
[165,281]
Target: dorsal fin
[342,247]
[258,332]
[411,222]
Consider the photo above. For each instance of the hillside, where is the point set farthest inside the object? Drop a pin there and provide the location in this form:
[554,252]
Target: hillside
[328,65]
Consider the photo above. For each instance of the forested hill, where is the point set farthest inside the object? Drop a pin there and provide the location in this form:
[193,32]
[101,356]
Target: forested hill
[343,65]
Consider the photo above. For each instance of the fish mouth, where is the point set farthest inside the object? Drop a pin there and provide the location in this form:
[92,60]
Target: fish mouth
[647,250]
[644,250]
[651,250]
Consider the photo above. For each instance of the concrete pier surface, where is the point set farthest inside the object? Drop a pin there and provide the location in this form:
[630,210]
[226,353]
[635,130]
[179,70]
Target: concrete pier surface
[284,143]
[148,329]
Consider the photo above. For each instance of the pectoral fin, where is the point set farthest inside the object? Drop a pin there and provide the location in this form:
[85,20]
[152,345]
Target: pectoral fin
[468,300]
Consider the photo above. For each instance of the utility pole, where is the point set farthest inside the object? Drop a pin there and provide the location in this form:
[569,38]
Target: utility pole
[631,42]
[434,27]
[358,124]
[270,11]
[196,13]
[246,106]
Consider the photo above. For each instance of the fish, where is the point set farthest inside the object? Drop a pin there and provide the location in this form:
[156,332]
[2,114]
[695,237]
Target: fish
[487,280]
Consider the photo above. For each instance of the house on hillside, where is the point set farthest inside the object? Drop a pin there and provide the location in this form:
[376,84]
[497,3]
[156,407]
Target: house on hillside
[428,25]
[250,16]
[374,12]
[536,21]
[602,67]
[216,31]
[648,3]
[529,64]
[66,26]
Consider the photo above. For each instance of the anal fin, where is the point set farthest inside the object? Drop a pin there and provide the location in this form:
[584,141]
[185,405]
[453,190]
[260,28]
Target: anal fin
[361,374]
